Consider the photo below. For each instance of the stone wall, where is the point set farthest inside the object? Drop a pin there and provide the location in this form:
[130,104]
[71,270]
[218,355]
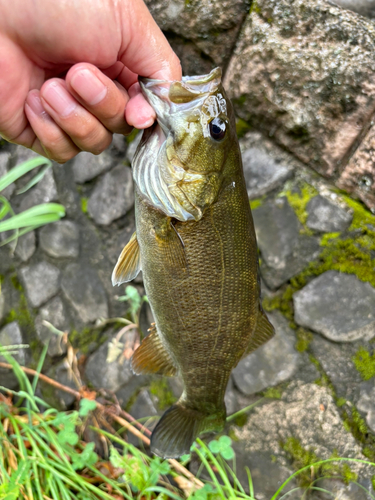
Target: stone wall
[301,76]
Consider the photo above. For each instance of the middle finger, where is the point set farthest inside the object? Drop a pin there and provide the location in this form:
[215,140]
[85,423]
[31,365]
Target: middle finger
[86,131]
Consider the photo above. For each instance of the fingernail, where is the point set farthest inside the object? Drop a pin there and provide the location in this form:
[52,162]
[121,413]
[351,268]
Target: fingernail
[59,99]
[88,86]
[35,104]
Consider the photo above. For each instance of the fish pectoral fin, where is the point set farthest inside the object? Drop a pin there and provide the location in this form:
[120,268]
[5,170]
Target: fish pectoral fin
[264,331]
[178,428]
[128,264]
[174,250]
[152,357]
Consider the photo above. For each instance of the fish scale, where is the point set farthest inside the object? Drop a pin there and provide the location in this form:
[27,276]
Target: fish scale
[200,270]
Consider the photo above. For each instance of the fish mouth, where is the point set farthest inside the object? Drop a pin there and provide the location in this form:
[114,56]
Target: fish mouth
[157,170]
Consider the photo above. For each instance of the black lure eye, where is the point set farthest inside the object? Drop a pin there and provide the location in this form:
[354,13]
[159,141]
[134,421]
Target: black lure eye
[217,129]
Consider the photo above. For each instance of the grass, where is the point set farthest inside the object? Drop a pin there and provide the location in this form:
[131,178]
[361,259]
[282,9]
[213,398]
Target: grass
[34,217]
[43,455]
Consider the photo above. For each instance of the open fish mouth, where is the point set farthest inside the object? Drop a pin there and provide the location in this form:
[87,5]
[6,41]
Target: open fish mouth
[158,173]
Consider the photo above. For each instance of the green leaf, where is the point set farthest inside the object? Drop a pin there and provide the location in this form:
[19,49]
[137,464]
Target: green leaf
[225,441]
[228,453]
[22,169]
[86,458]
[214,446]
[85,406]
[41,214]
[38,177]
[160,467]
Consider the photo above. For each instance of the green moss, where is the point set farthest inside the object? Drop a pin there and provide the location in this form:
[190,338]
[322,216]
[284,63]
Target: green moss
[273,392]
[365,363]
[304,338]
[133,134]
[298,201]
[340,402]
[82,339]
[355,424]
[242,127]
[254,204]
[241,420]
[282,301]
[326,238]
[255,8]
[84,202]
[15,282]
[161,389]
[21,314]
[302,458]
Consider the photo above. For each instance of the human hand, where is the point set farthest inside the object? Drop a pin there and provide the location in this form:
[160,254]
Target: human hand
[101,46]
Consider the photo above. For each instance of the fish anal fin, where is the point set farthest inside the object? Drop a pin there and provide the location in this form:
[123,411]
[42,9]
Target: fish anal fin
[128,264]
[152,357]
[178,428]
[263,332]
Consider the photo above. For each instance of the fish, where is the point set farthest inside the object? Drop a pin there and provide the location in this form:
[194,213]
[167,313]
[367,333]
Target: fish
[196,246]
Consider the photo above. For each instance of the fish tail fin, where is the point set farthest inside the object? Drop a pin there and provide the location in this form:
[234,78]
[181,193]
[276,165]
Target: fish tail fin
[178,428]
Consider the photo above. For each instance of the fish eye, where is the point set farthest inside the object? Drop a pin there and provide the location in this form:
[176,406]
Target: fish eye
[218,128]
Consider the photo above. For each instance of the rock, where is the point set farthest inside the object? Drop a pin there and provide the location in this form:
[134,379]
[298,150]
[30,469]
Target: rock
[119,145]
[366,403]
[270,364]
[307,415]
[85,292]
[336,489]
[1,305]
[22,154]
[53,312]
[11,335]
[263,172]
[303,72]
[338,306]
[129,391]
[26,246]
[87,166]
[60,239]
[4,163]
[44,192]
[327,217]
[193,60]
[337,363]
[41,282]
[230,398]
[358,177]
[212,26]
[363,7]
[60,400]
[143,406]
[107,375]
[285,252]
[267,474]
[112,197]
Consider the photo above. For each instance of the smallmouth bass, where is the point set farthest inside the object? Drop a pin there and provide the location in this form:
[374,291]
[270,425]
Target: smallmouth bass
[195,243]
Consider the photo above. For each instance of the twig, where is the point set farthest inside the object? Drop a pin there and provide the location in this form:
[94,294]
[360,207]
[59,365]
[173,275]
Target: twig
[124,423]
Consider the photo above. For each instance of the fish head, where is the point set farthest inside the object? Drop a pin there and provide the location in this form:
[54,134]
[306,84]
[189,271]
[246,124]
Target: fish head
[180,161]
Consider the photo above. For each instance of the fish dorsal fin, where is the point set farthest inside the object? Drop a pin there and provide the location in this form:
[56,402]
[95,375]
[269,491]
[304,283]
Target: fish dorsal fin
[152,357]
[264,331]
[128,264]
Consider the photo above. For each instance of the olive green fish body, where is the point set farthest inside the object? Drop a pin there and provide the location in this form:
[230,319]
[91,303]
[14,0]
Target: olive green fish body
[196,246]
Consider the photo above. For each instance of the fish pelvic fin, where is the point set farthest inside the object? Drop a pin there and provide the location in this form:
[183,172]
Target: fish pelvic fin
[178,428]
[263,332]
[152,357]
[128,264]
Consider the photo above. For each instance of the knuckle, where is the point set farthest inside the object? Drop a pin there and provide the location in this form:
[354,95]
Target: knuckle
[99,146]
